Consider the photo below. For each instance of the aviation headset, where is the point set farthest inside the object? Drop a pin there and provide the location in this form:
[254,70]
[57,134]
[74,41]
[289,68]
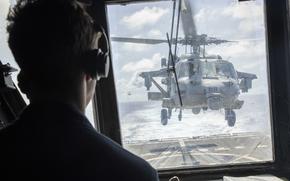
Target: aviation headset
[97,61]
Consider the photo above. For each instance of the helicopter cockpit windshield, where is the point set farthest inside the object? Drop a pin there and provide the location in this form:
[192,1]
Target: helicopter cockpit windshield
[208,69]
[226,70]
[217,69]
[187,69]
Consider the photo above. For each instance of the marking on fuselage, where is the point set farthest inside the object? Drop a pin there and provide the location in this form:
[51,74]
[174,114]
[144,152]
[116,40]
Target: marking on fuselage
[239,147]
[262,146]
[222,149]
[202,149]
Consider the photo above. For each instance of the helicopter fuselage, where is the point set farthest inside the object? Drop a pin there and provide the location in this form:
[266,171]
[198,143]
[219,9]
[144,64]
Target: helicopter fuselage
[204,85]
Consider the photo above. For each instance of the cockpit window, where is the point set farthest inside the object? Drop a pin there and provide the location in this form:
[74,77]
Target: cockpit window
[186,69]
[215,125]
[5,53]
[209,69]
[216,69]
[226,70]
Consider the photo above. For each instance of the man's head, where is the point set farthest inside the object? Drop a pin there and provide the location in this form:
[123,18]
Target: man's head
[49,39]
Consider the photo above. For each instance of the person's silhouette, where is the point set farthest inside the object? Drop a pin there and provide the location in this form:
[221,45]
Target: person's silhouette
[57,46]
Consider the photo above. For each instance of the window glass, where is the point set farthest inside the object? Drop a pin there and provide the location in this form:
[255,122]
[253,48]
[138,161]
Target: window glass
[90,113]
[222,82]
[208,69]
[5,53]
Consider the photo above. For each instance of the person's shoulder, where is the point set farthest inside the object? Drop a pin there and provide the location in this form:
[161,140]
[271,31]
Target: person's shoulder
[121,162]
[7,132]
[7,140]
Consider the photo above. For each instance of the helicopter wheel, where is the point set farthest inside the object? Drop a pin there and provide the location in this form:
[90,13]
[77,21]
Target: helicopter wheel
[196,110]
[230,116]
[180,115]
[164,118]
[169,113]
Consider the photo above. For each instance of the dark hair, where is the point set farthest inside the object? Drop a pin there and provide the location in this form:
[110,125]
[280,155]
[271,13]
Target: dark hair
[46,38]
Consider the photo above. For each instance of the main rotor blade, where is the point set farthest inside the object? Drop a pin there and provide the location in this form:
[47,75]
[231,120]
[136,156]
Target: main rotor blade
[138,40]
[248,40]
[216,41]
[187,20]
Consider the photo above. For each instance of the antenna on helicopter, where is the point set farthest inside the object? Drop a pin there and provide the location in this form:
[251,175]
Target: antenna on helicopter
[171,39]
[177,26]
[174,71]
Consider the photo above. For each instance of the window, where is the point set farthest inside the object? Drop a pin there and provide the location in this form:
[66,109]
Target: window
[222,78]
[90,113]
[208,69]
[226,69]
[6,55]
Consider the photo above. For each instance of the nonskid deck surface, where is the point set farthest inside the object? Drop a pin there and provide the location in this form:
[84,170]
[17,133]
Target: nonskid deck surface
[204,151]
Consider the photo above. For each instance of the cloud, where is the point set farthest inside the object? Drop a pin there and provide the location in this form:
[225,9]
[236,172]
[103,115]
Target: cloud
[143,64]
[5,53]
[206,14]
[244,11]
[4,6]
[154,33]
[134,47]
[234,20]
[243,49]
[250,15]
[131,89]
[146,16]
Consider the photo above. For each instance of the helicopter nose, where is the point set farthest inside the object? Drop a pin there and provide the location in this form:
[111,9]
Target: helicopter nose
[230,88]
[228,83]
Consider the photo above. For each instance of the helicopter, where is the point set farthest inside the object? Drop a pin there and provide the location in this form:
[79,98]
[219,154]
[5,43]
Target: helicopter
[194,80]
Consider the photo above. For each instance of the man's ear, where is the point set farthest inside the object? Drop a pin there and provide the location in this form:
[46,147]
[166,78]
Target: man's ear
[88,77]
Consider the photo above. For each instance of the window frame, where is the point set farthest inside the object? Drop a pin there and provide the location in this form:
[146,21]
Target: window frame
[106,108]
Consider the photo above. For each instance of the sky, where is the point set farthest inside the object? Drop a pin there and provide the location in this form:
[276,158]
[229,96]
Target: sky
[225,19]
[5,54]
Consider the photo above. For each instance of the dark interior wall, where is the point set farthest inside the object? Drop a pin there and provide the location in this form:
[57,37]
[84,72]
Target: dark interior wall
[11,105]
[278,48]
[105,99]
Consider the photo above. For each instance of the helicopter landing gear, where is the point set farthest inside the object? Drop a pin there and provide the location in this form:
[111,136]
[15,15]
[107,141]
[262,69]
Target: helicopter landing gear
[230,116]
[164,117]
[169,113]
[196,110]
[180,115]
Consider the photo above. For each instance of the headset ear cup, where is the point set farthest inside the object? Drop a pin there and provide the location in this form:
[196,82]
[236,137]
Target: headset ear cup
[103,65]
[90,59]
[97,63]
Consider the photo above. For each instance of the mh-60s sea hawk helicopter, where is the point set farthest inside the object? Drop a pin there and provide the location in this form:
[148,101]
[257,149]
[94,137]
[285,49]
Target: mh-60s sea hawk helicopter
[194,81]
